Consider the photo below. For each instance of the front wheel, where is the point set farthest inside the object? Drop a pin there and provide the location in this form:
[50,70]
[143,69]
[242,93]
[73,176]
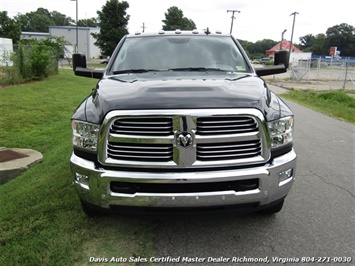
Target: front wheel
[89,210]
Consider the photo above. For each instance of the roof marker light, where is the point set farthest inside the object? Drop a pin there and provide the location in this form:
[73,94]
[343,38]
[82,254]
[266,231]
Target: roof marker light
[177,31]
[207,31]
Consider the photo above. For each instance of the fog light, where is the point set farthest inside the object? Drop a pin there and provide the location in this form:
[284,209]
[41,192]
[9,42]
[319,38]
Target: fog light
[284,175]
[82,180]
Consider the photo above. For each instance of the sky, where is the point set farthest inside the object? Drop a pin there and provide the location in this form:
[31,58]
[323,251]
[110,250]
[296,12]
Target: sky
[257,20]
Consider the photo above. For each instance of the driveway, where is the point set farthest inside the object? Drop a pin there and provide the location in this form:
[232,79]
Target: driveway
[317,219]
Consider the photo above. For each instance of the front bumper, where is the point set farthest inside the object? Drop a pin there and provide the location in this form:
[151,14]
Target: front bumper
[93,185]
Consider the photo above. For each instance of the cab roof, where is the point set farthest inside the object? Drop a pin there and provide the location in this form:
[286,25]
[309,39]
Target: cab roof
[179,33]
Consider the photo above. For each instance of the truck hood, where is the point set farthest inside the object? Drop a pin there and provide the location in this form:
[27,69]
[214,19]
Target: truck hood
[157,91]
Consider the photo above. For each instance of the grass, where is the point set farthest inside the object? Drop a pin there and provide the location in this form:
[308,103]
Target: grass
[335,103]
[41,221]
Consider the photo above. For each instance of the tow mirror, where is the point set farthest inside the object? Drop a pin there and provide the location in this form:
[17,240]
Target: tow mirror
[281,57]
[280,65]
[80,69]
[79,60]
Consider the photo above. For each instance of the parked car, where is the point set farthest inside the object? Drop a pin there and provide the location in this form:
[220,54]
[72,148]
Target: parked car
[264,61]
[181,121]
[256,61]
[105,61]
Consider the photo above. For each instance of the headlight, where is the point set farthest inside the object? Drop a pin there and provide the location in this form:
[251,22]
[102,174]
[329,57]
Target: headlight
[85,135]
[281,131]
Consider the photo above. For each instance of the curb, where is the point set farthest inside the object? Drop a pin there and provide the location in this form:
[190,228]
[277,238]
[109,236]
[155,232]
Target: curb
[12,168]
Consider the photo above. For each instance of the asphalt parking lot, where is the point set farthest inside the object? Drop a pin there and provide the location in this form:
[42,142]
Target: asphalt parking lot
[316,224]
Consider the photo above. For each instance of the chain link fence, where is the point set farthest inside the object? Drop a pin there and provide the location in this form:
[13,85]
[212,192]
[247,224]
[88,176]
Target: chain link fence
[327,73]
[322,73]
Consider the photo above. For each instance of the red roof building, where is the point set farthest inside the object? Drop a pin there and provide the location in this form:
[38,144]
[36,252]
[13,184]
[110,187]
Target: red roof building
[285,46]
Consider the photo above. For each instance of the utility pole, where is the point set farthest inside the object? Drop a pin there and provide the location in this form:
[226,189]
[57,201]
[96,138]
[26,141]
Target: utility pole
[233,18]
[76,50]
[293,27]
[143,27]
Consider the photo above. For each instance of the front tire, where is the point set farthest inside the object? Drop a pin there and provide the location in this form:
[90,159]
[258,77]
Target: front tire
[90,210]
[273,209]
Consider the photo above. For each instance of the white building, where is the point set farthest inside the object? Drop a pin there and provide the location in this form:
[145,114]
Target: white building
[298,59]
[85,39]
[5,51]
[26,35]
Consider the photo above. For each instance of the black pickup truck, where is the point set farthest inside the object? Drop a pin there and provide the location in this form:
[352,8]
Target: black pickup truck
[182,121]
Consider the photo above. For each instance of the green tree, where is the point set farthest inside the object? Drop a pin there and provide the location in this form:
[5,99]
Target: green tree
[174,19]
[343,37]
[88,22]
[37,21]
[9,28]
[307,41]
[60,19]
[113,20]
[41,19]
[247,46]
[319,46]
[315,44]
[260,47]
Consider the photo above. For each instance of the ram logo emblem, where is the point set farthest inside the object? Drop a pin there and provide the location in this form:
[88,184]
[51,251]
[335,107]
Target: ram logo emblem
[184,139]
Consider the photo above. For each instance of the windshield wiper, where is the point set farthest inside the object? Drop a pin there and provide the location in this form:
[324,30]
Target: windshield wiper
[140,70]
[143,70]
[238,77]
[198,69]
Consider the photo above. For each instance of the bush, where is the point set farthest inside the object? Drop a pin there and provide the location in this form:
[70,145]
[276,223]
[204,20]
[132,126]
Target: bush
[22,63]
[40,61]
[34,60]
[10,76]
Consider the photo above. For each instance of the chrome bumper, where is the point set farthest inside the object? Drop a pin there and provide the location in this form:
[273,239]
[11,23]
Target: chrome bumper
[93,185]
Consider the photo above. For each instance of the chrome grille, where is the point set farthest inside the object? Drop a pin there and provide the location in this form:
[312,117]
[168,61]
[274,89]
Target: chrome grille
[150,138]
[140,152]
[226,125]
[147,126]
[228,151]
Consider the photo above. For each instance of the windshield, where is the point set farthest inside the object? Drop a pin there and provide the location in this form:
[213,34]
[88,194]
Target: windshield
[178,53]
